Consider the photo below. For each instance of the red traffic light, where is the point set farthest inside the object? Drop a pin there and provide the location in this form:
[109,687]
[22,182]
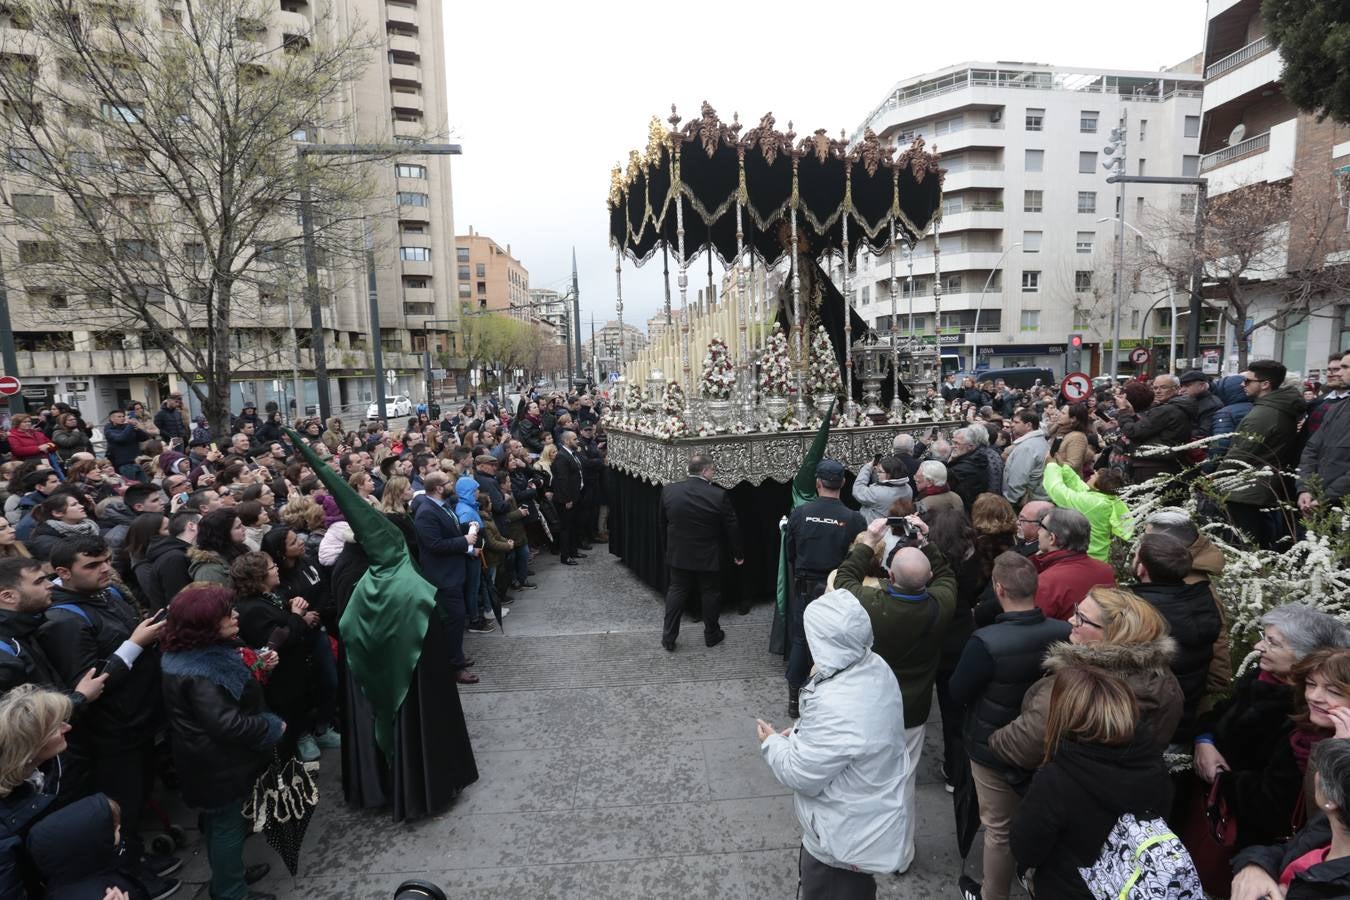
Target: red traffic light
[1076,341]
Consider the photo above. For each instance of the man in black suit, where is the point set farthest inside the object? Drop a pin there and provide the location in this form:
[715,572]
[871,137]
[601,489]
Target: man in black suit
[443,548]
[568,483]
[698,520]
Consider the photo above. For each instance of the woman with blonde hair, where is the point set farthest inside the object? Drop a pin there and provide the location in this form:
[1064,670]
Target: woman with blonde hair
[1099,764]
[364,486]
[1120,633]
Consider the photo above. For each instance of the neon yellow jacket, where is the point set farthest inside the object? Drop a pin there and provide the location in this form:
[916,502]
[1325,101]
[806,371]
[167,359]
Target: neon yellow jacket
[1108,515]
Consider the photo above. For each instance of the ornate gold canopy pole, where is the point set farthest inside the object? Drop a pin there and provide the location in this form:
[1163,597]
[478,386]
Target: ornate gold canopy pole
[850,407]
[681,280]
[742,302]
[800,362]
[896,408]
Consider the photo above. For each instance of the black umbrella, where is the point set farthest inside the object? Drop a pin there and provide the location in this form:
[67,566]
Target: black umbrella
[965,803]
[284,798]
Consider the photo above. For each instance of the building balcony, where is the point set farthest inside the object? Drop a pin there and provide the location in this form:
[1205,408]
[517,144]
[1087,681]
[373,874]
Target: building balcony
[1264,157]
[408,212]
[406,102]
[409,129]
[418,268]
[291,22]
[72,363]
[403,15]
[953,261]
[974,175]
[983,216]
[419,295]
[402,43]
[415,240]
[407,74]
[1249,69]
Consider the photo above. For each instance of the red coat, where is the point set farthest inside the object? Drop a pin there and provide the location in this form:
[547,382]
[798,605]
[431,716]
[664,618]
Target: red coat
[1066,577]
[27,444]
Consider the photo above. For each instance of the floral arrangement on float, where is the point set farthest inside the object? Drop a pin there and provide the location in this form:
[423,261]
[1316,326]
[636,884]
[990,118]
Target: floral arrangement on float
[823,381]
[775,367]
[672,399]
[719,375]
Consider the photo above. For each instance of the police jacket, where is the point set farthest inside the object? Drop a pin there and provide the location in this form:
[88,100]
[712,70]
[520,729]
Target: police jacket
[1000,662]
[1193,622]
[83,632]
[818,536]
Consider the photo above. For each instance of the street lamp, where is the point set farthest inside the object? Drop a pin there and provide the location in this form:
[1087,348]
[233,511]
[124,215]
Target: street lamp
[1171,301]
[975,330]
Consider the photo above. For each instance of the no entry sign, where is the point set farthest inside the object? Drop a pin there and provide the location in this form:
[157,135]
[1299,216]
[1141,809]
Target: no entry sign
[9,385]
[1075,387]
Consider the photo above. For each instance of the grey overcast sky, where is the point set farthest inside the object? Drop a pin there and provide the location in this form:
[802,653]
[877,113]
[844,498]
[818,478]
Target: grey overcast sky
[545,97]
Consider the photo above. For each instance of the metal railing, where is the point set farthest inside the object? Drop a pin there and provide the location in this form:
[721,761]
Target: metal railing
[1258,144]
[1258,47]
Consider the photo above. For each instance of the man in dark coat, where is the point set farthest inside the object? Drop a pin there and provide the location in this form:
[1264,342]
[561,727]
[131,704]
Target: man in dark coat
[25,595]
[1196,385]
[1269,436]
[169,420]
[124,443]
[444,550]
[999,663]
[1161,564]
[1169,422]
[90,623]
[568,483]
[698,521]
[1325,463]
[968,470]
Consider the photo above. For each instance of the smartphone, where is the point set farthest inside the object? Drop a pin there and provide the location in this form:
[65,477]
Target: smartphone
[215,448]
[159,616]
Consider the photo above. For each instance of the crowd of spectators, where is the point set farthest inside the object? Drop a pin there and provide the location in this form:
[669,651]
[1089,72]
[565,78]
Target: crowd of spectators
[168,620]
[1080,659]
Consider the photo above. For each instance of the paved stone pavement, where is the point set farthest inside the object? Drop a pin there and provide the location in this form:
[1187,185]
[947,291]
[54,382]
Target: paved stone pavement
[609,769]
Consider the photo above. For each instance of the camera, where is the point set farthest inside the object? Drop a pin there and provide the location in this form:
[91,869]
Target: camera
[907,532]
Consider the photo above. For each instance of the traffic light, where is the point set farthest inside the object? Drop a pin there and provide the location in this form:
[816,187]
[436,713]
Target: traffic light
[1074,361]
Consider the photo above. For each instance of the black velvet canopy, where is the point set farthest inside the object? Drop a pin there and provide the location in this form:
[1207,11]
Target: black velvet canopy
[707,166]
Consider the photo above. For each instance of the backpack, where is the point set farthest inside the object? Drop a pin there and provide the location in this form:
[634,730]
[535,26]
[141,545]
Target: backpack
[1142,861]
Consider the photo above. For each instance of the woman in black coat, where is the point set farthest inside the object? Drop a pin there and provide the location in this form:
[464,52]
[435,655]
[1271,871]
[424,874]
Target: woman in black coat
[301,578]
[1098,767]
[267,620]
[1315,863]
[219,728]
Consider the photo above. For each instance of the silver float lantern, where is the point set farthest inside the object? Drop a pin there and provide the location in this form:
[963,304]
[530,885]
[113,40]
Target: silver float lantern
[870,357]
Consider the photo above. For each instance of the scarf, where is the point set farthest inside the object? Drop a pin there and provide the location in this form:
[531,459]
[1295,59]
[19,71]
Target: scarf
[1302,741]
[934,489]
[87,528]
[1268,678]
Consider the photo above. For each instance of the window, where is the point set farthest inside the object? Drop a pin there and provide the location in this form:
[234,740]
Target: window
[953,284]
[1031,242]
[1143,163]
[415,254]
[1134,319]
[1031,320]
[1085,239]
[417,284]
[1087,162]
[480,270]
[463,273]
[412,198]
[126,113]
[866,295]
[464,290]
[1035,161]
[1187,204]
[1035,119]
[38,251]
[195,252]
[1032,201]
[42,298]
[34,205]
[1087,121]
[1190,166]
[1143,128]
[1031,282]
[462,254]
[951,205]
[403,170]
[1192,126]
[1087,202]
[1082,282]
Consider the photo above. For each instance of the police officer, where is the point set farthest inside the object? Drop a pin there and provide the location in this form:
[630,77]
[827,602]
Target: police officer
[818,537]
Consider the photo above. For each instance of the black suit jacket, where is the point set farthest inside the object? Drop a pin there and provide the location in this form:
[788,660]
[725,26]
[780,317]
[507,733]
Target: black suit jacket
[698,520]
[566,478]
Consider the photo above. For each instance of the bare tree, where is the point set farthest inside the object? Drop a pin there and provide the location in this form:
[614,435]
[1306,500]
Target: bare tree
[1274,255]
[156,183]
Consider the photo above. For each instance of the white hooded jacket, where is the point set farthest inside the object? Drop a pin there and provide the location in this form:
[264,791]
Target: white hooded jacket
[846,758]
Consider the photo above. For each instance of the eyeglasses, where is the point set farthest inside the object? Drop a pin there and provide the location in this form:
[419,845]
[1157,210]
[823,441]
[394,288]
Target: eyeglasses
[1025,521]
[1251,381]
[1079,619]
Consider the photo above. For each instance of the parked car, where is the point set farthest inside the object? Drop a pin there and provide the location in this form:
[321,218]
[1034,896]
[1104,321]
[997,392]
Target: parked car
[393,406]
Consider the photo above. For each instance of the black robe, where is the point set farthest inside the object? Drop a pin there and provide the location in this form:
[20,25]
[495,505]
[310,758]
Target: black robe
[433,759]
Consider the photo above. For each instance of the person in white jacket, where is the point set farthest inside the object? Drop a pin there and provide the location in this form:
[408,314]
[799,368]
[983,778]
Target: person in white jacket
[878,485]
[846,758]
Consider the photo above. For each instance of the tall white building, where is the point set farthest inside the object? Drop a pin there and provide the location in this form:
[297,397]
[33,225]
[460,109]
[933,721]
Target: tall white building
[1027,210]
[1253,134]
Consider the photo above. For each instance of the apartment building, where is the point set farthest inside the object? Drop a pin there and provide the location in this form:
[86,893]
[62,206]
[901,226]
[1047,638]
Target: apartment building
[1028,230]
[1251,134]
[490,278]
[400,97]
[551,309]
[603,347]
